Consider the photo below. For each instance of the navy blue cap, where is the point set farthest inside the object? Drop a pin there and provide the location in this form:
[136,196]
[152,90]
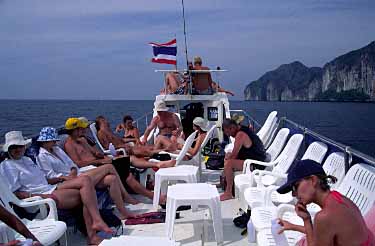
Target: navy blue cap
[300,170]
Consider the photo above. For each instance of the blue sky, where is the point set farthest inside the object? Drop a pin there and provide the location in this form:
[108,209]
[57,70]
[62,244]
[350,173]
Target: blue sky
[96,49]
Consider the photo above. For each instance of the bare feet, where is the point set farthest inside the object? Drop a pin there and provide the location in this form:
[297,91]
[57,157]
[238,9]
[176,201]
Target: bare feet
[127,215]
[101,226]
[132,201]
[225,196]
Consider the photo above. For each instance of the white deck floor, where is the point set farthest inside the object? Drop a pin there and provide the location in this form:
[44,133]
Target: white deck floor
[189,230]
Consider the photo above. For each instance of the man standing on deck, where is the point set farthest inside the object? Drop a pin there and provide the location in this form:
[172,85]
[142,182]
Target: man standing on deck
[247,145]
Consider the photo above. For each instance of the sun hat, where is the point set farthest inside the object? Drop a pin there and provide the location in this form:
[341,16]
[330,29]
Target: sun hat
[238,118]
[14,138]
[72,123]
[300,170]
[202,123]
[161,107]
[48,134]
[84,122]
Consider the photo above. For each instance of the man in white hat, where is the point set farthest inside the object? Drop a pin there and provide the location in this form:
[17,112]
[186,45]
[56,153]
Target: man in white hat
[169,125]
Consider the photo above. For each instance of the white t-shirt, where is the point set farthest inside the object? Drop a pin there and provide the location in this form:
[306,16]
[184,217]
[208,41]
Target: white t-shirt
[25,175]
[56,165]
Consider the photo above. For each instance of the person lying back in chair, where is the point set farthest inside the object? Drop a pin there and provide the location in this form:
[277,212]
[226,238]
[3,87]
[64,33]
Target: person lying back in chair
[83,154]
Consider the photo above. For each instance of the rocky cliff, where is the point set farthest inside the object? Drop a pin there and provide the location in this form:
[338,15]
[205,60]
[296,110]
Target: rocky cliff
[349,77]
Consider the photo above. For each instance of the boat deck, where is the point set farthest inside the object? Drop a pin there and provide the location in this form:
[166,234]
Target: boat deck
[192,229]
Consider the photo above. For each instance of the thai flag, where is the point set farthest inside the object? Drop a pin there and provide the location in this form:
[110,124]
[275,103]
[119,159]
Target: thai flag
[165,53]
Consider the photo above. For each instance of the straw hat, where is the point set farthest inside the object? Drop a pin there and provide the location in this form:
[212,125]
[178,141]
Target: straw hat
[14,138]
[48,134]
[202,123]
[161,107]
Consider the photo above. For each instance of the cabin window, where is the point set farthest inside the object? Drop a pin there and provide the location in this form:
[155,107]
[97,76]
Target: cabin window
[212,113]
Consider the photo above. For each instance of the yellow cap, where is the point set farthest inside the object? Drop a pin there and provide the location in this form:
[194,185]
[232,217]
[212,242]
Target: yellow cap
[72,123]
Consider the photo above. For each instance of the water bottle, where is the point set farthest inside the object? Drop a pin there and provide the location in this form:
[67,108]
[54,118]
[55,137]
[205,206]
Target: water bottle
[280,239]
[27,242]
[112,149]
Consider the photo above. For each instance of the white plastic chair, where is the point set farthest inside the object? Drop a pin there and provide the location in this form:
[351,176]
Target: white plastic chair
[254,196]
[47,230]
[265,132]
[187,173]
[95,135]
[316,152]
[244,180]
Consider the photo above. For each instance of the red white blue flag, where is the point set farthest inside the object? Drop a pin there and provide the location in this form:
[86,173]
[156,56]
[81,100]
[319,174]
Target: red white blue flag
[165,53]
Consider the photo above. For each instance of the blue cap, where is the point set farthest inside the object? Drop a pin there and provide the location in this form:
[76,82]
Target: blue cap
[300,170]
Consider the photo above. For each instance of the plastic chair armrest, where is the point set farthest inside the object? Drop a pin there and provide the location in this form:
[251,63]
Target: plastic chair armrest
[51,203]
[284,208]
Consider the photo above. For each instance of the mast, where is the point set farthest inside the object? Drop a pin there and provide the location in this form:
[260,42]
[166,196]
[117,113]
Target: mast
[186,52]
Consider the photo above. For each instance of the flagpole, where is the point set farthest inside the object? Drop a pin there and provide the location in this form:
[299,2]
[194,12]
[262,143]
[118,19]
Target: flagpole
[183,16]
[186,52]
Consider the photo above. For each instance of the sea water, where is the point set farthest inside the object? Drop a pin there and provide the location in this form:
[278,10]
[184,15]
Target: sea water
[349,123]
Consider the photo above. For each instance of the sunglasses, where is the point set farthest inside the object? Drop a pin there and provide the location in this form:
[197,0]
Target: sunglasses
[296,184]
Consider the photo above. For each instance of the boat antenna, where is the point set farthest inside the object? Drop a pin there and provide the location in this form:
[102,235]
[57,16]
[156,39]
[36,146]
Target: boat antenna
[183,16]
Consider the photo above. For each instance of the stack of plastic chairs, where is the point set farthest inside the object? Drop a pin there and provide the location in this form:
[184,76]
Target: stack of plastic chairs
[245,180]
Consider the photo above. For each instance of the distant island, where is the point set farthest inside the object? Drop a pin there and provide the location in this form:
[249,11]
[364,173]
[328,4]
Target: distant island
[350,77]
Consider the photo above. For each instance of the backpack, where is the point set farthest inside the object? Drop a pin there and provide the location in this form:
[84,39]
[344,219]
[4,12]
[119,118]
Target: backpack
[215,152]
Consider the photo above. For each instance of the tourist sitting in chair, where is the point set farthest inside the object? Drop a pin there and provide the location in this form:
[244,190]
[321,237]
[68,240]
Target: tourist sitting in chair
[26,179]
[174,84]
[58,167]
[169,126]
[131,133]
[83,154]
[202,126]
[247,145]
[340,222]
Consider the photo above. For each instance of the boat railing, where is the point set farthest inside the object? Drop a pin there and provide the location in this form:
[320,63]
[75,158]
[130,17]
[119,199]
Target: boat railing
[143,121]
[352,156]
[256,125]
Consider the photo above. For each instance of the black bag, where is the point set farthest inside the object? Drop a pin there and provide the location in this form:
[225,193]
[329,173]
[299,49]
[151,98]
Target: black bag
[161,157]
[215,161]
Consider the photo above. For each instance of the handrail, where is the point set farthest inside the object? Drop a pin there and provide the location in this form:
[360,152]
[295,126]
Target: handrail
[344,148]
[144,116]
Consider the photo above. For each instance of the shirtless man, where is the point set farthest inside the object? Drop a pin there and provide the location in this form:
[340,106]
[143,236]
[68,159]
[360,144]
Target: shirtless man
[202,82]
[83,155]
[169,125]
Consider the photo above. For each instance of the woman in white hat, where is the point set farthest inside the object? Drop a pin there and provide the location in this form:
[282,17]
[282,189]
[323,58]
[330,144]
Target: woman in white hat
[202,126]
[58,167]
[26,179]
